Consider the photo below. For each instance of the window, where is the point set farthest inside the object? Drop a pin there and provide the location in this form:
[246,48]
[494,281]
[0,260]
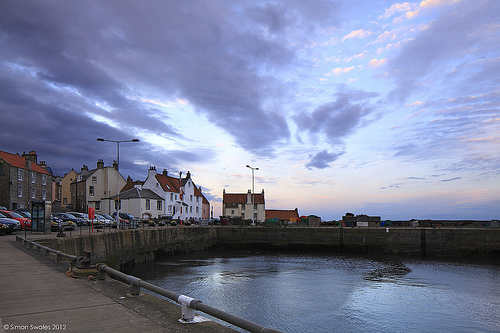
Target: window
[98,205]
[197,210]
[158,205]
[94,179]
[170,208]
[171,197]
[91,190]
[44,194]
[33,193]
[243,206]
[232,211]
[190,209]
[191,197]
[33,177]
[44,179]
[148,204]
[20,174]
[197,199]
[20,191]
[65,201]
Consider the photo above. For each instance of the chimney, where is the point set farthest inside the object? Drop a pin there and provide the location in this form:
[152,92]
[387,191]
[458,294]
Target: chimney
[42,164]
[100,164]
[115,165]
[152,172]
[84,168]
[31,156]
[249,197]
[165,172]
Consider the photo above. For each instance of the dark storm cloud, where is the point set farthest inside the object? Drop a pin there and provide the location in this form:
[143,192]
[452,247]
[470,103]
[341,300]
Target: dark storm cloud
[322,159]
[68,62]
[335,121]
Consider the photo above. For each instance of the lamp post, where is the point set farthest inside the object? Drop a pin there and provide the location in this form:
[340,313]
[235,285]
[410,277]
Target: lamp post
[117,174]
[253,205]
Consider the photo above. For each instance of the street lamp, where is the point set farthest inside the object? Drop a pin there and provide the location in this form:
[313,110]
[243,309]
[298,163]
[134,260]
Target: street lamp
[253,205]
[117,173]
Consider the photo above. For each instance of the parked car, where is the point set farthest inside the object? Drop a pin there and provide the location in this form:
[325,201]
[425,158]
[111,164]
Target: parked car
[106,221]
[66,217]
[133,221]
[25,222]
[24,213]
[58,225]
[113,220]
[82,216]
[12,224]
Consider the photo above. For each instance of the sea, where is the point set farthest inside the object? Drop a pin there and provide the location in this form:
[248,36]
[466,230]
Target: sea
[321,292]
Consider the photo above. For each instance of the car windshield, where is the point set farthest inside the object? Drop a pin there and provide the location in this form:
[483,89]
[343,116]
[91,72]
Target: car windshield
[107,216]
[26,214]
[13,214]
[70,216]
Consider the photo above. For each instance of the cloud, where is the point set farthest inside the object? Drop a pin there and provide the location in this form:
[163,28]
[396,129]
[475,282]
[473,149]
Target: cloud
[451,37]
[90,65]
[451,179]
[322,159]
[337,119]
[361,33]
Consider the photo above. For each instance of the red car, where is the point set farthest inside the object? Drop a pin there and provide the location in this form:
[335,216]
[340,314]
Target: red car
[25,222]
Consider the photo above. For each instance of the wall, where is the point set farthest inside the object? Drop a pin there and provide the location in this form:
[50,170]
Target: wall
[119,249]
[404,241]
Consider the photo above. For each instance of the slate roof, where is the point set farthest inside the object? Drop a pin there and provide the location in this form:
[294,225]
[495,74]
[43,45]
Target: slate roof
[136,193]
[20,162]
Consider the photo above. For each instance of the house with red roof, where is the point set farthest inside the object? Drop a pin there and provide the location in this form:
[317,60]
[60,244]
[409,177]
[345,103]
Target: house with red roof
[283,215]
[23,180]
[182,198]
[249,206]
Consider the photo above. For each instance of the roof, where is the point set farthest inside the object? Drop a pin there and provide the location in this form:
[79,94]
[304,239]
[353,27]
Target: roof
[20,162]
[131,184]
[167,183]
[241,198]
[281,214]
[137,193]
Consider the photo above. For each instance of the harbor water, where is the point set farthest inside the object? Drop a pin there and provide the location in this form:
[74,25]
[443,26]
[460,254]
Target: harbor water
[338,293]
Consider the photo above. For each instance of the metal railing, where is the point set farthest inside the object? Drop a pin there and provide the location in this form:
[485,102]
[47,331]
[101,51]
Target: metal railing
[188,304]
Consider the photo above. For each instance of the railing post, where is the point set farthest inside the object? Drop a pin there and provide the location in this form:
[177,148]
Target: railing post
[135,288]
[187,313]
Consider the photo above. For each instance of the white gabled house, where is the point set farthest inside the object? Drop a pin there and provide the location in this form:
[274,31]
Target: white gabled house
[182,199]
[142,203]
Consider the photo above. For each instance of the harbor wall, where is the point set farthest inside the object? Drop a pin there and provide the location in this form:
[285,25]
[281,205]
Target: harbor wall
[123,248]
[431,242]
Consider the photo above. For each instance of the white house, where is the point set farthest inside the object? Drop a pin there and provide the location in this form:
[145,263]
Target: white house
[182,199]
[140,202]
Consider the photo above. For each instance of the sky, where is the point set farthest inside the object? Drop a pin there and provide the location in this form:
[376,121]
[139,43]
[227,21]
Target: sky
[373,107]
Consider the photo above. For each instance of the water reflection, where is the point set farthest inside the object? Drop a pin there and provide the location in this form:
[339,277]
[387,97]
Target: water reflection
[329,293]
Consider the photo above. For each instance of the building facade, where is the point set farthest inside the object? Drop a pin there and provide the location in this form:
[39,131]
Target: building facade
[182,198]
[22,181]
[249,206]
[91,186]
[142,203]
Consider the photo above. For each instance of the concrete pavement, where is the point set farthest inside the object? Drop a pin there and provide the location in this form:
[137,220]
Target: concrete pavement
[36,295]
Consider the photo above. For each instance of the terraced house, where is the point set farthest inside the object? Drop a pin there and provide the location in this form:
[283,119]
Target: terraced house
[23,180]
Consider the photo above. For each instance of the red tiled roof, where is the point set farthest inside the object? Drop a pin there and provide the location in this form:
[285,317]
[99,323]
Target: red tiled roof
[131,185]
[290,215]
[167,183]
[241,198]
[19,162]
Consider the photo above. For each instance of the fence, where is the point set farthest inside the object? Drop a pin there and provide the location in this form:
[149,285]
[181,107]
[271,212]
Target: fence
[188,304]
